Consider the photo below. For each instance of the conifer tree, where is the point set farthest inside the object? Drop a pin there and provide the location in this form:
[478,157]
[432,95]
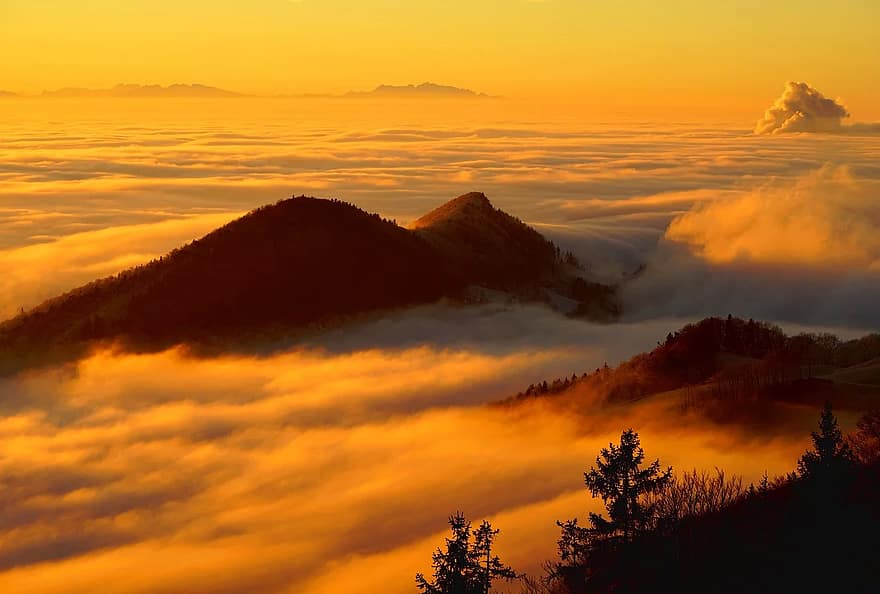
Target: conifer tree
[830,454]
[489,566]
[621,481]
[465,567]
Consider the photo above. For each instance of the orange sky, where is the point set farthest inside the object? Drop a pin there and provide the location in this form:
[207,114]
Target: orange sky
[644,55]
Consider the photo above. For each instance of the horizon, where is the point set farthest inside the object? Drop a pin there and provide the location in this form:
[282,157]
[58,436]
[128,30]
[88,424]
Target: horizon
[641,56]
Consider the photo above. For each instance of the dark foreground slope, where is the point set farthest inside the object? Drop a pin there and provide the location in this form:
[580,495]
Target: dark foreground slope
[297,265]
[803,535]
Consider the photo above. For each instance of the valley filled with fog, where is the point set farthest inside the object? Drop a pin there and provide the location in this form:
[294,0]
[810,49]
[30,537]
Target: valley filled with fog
[330,463]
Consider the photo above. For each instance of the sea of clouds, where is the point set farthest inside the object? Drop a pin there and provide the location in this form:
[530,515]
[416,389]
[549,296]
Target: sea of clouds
[88,194]
[331,465]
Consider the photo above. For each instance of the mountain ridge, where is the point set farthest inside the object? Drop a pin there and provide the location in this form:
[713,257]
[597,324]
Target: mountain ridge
[425,90]
[125,90]
[297,265]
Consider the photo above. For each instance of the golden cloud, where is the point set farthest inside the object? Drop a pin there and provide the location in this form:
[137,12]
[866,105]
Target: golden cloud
[825,218]
[302,472]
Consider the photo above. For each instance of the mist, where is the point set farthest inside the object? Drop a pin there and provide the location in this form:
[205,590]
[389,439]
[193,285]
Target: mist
[309,471]
[802,250]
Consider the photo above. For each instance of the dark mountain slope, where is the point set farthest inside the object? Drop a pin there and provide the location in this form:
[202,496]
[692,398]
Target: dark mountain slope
[297,265]
[299,262]
[804,535]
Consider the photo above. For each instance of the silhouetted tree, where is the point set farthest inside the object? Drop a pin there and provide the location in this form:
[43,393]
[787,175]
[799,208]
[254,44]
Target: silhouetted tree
[573,544]
[865,442]
[621,481]
[489,566]
[465,567]
[830,454]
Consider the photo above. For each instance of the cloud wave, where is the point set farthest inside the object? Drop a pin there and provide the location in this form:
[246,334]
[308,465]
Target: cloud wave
[303,473]
[825,218]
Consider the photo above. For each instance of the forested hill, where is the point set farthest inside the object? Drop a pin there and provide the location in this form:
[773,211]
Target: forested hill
[296,265]
[729,359]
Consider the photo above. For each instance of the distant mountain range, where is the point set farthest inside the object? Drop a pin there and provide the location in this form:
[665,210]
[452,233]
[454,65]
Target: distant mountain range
[425,90]
[300,265]
[144,91]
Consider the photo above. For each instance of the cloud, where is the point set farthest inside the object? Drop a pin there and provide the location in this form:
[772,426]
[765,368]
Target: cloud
[826,218]
[803,250]
[801,108]
[306,471]
[606,191]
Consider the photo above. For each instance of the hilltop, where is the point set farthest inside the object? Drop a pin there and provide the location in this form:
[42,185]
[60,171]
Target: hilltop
[298,265]
[481,242]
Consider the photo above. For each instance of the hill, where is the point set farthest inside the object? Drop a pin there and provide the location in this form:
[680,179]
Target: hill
[294,266]
[797,534]
[724,366]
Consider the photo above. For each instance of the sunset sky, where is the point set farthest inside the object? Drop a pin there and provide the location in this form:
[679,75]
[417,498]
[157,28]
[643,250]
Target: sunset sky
[655,56]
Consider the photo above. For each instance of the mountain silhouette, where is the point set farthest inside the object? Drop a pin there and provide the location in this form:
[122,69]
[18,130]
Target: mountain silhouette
[425,90]
[144,91]
[298,265]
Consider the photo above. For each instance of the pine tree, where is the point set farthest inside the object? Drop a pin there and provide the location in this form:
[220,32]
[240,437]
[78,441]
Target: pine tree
[489,567]
[465,567]
[621,481]
[830,454]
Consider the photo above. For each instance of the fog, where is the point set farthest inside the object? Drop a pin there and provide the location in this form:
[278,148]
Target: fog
[331,464]
[308,472]
[113,186]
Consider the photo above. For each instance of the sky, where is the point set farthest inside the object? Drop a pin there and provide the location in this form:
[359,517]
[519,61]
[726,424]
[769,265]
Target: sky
[655,57]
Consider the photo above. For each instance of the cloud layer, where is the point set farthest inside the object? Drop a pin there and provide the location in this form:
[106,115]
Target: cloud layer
[607,191]
[802,250]
[303,472]
[333,468]
[826,218]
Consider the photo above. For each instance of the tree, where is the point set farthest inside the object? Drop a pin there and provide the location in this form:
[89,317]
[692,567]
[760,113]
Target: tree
[830,454]
[465,567]
[489,567]
[574,544]
[621,481]
[865,442]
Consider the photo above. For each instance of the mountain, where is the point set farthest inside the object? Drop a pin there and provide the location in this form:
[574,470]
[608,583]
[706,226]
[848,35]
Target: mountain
[145,91]
[483,244]
[8,94]
[425,90]
[294,266]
